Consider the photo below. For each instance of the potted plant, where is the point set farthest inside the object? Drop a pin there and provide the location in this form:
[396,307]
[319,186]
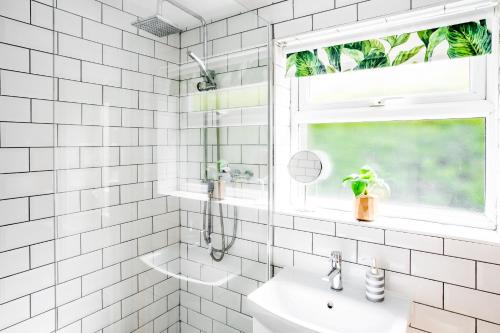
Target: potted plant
[364,185]
[217,177]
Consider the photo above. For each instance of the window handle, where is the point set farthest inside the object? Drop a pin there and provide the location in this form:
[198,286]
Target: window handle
[382,101]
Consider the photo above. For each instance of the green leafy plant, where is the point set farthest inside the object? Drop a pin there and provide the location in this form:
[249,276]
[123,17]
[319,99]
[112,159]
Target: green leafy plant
[221,164]
[306,63]
[366,181]
[468,39]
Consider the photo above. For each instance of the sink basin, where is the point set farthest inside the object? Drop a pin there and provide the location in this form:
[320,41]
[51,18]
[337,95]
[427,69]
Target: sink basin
[298,301]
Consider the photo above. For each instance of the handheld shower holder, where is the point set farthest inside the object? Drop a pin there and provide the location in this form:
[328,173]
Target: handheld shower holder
[206,85]
[208,76]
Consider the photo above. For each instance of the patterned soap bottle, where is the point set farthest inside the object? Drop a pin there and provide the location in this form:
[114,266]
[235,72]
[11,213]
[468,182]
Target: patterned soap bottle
[375,283]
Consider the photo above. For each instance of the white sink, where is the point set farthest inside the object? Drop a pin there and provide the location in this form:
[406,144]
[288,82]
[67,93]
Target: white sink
[297,301]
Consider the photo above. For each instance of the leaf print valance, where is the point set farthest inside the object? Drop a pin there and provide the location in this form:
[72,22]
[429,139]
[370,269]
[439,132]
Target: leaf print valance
[448,42]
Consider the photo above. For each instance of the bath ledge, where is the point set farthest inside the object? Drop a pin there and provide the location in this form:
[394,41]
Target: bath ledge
[426,228]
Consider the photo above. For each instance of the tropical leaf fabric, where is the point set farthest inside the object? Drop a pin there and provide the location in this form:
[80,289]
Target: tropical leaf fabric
[306,63]
[467,39]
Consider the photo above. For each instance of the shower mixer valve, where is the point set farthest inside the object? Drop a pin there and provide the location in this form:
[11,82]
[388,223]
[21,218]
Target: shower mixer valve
[246,175]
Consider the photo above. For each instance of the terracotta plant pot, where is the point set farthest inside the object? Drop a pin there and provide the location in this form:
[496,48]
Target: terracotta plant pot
[364,207]
[219,190]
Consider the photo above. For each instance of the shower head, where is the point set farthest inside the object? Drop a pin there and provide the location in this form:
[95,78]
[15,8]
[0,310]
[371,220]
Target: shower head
[160,26]
[208,75]
[157,25]
[199,62]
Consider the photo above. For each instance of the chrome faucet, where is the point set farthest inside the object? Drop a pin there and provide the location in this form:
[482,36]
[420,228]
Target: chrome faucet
[335,274]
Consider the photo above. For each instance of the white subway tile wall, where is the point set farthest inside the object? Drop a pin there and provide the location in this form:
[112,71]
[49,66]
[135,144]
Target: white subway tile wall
[112,113]
[78,183]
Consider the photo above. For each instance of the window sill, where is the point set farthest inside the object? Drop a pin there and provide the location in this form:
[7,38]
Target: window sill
[463,233]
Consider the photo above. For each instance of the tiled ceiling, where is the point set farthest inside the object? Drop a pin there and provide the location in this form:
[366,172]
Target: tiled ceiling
[211,10]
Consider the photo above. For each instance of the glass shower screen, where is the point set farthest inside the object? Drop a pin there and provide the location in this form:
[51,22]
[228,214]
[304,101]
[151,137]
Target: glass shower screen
[143,242]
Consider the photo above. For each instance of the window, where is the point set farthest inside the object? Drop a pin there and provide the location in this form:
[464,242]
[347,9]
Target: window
[460,79]
[437,163]
[428,129]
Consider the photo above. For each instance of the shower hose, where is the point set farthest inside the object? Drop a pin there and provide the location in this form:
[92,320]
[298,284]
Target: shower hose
[208,228]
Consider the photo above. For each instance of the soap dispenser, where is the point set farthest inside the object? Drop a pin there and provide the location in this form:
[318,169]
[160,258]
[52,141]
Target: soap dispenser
[375,283]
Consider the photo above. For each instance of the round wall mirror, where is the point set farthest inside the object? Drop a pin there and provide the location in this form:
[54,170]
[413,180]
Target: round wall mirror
[306,166]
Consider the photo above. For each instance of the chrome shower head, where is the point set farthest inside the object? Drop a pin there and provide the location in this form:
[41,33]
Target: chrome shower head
[199,62]
[208,75]
[157,25]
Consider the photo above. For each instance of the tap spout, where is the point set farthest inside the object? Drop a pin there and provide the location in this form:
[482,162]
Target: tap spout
[335,273]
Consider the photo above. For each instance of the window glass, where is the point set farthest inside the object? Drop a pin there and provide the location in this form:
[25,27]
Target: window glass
[425,162]
[427,79]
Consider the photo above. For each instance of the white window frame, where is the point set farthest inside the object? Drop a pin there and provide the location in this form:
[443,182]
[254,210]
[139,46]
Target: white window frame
[482,105]
[477,91]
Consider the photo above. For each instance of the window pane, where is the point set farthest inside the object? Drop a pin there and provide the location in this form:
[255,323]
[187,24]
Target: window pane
[425,162]
[434,78]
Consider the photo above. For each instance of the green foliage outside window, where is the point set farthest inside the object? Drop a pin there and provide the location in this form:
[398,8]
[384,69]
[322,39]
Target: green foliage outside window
[424,162]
